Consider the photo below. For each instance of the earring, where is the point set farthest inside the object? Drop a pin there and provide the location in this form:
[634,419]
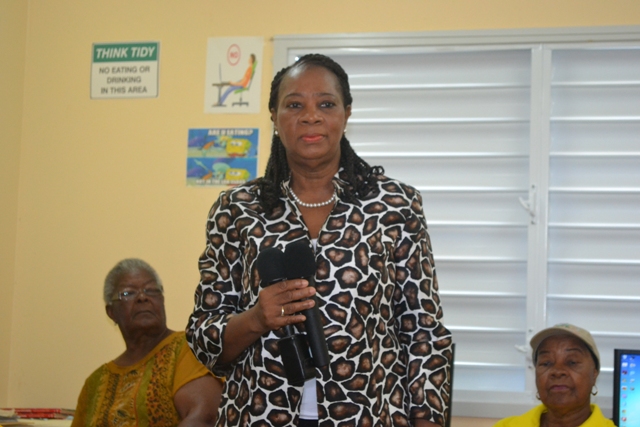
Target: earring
[275,132]
[345,130]
[594,392]
[538,395]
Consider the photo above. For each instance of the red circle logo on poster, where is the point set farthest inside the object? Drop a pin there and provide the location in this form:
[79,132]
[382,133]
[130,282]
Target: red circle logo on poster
[233,54]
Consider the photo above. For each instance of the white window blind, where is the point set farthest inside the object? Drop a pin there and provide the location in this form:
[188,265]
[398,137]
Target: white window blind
[594,195]
[526,149]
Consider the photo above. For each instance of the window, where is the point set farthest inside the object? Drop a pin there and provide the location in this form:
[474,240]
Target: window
[526,148]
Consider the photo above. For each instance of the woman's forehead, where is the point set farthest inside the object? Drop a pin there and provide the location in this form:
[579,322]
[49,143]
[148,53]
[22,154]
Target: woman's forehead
[135,278]
[318,74]
[562,342]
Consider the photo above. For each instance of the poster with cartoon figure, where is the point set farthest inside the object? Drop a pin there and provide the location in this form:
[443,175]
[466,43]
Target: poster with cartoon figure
[234,75]
[222,156]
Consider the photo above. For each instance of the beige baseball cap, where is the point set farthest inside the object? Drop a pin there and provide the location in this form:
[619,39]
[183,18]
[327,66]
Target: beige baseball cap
[566,329]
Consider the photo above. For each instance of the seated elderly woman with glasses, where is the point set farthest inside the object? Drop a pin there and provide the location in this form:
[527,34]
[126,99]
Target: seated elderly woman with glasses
[157,381]
[567,364]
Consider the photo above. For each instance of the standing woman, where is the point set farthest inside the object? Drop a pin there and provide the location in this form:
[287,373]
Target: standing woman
[376,286]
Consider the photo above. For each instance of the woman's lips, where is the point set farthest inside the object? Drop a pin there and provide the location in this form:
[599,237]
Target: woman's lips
[312,138]
[144,312]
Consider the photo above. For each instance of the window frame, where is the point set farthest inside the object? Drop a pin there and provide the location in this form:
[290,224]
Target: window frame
[541,42]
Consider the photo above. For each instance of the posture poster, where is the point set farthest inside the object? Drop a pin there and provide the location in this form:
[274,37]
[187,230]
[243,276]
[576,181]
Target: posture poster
[234,75]
[222,156]
[124,70]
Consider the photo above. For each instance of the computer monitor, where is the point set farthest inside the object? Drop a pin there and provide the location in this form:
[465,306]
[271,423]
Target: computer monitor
[626,394]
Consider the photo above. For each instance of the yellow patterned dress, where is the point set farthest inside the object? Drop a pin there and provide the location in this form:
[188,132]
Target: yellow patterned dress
[142,394]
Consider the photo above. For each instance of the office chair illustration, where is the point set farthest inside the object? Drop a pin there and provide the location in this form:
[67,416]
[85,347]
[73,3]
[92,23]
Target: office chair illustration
[238,87]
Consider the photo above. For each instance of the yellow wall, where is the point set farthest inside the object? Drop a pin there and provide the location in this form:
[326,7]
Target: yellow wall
[105,179]
[13,32]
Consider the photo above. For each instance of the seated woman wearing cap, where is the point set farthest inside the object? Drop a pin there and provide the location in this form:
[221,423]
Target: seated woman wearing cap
[567,365]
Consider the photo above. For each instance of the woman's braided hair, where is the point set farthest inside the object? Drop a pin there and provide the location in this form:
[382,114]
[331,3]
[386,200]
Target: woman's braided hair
[360,176]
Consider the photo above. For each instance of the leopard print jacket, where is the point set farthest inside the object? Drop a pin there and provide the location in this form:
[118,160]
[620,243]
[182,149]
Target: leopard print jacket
[378,296]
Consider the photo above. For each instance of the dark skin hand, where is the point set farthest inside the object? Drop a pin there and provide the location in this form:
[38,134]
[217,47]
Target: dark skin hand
[197,402]
[247,327]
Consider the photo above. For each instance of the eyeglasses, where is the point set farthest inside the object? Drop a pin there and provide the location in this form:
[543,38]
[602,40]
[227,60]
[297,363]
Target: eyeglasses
[131,294]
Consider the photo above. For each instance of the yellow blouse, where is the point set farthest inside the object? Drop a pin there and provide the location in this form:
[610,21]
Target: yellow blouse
[532,419]
[142,394]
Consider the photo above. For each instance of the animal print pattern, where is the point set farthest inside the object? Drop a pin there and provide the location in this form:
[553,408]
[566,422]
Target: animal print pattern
[378,296]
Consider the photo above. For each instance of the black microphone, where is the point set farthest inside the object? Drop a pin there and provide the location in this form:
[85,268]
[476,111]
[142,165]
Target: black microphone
[300,263]
[271,269]
[293,348]
[270,264]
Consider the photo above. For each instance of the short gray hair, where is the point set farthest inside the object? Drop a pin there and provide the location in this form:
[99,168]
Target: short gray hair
[126,266]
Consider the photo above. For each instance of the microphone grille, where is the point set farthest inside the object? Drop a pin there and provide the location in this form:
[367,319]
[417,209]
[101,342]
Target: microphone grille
[299,260]
[270,264]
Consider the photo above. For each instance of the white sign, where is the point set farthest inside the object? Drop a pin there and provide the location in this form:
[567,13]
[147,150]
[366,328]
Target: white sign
[234,75]
[125,70]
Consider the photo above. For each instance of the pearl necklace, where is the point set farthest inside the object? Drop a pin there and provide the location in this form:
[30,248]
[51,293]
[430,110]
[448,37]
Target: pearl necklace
[313,205]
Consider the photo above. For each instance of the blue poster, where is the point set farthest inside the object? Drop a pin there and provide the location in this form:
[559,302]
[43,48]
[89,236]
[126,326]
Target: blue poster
[222,156]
